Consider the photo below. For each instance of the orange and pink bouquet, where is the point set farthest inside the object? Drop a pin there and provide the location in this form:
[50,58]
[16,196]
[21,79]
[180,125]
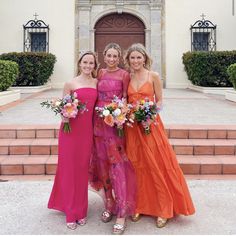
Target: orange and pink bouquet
[68,107]
[115,114]
[145,112]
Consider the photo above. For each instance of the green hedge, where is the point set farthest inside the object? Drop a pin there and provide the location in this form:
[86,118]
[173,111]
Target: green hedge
[231,70]
[9,71]
[35,67]
[209,69]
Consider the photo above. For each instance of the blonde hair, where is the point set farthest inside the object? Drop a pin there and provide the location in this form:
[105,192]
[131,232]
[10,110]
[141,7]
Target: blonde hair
[114,46]
[138,47]
[94,72]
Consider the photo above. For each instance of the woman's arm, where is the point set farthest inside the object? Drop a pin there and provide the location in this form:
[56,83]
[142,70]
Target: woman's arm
[157,85]
[126,80]
[66,89]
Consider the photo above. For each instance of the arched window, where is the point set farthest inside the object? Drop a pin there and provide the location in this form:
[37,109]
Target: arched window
[36,36]
[203,35]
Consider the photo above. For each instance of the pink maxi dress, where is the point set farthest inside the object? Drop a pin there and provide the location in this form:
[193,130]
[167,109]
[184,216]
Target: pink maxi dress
[110,168]
[70,190]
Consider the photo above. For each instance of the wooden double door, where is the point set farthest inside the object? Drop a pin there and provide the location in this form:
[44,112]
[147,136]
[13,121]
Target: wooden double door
[124,29]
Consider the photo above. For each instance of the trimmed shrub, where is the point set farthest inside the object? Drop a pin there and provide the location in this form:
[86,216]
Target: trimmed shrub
[9,71]
[209,69]
[231,70]
[35,67]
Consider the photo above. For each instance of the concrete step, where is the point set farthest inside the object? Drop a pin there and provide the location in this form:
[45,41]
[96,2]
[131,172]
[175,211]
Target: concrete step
[181,146]
[172,131]
[46,165]
[200,149]
[28,165]
[207,164]
[29,146]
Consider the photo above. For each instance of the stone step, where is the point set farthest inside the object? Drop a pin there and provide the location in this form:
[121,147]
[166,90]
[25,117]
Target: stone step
[172,131]
[28,165]
[180,146]
[46,165]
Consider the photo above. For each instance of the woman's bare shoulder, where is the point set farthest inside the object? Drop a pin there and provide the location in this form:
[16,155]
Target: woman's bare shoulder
[154,75]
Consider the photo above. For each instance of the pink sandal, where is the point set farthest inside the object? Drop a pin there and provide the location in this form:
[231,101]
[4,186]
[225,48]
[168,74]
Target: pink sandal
[71,225]
[82,222]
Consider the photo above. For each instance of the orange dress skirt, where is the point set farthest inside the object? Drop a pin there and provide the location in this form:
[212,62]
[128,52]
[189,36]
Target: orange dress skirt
[161,186]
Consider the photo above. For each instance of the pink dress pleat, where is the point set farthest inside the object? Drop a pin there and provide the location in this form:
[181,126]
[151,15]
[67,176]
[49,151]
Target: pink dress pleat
[70,189]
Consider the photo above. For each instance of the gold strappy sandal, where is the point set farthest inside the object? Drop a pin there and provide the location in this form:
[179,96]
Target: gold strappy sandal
[161,222]
[136,217]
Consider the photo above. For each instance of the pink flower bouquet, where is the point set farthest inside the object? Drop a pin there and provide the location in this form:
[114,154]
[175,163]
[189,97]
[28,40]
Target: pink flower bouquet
[145,112]
[115,114]
[68,107]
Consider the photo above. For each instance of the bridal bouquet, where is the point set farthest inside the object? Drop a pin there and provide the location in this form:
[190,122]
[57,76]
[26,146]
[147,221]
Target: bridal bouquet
[68,107]
[115,114]
[145,112]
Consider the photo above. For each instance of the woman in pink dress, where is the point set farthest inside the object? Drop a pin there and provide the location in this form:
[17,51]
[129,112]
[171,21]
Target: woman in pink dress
[70,189]
[110,167]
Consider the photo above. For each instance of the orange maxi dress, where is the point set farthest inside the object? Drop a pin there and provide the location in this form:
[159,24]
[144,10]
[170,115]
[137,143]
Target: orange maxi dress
[162,189]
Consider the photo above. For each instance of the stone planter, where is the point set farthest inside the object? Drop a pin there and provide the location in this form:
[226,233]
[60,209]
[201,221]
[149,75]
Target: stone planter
[211,90]
[231,95]
[33,89]
[9,96]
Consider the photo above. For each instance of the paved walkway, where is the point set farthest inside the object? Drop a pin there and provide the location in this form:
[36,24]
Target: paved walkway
[23,210]
[23,204]
[181,106]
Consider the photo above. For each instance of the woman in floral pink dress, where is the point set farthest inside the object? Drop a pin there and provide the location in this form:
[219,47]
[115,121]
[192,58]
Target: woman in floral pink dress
[70,189]
[110,167]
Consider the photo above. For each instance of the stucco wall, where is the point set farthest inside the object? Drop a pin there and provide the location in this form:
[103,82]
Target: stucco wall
[66,33]
[60,17]
[179,16]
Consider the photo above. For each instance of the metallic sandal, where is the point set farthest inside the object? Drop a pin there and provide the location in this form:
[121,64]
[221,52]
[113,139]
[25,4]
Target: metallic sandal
[82,222]
[118,228]
[161,222]
[71,225]
[106,216]
[136,217]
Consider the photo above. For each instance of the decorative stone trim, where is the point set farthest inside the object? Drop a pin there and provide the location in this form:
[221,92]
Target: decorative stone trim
[33,89]
[9,96]
[230,95]
[210,90]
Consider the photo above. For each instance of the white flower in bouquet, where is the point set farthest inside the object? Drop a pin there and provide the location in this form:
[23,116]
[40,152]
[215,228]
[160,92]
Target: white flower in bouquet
[106,112]
[116,112]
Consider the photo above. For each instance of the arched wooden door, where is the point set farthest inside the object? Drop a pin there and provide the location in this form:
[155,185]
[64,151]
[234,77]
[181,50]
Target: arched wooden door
[124,29]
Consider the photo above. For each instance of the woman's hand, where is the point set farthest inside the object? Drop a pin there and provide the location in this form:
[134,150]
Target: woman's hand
[64,119]
[159,105]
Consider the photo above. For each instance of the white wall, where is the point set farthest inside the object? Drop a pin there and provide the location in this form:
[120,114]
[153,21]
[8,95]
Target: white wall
[180,14]
[59,14]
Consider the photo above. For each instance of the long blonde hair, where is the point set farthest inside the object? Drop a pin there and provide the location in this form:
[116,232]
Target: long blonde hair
[94,72]
[138,47]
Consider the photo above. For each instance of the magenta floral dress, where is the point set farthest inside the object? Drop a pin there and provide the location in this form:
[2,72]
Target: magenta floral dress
[110,168]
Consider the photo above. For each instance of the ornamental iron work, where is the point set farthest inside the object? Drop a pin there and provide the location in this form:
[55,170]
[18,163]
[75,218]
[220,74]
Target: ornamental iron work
[36,36]
[203,35]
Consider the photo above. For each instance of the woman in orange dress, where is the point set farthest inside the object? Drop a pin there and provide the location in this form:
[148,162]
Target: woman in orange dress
[162,190]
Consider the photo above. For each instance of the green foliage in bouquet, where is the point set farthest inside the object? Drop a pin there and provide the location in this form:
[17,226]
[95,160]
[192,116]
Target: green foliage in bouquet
[209,69]
[35,67]
[9,71]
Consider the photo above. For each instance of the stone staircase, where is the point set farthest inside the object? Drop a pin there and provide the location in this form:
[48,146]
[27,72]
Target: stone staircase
[200,149]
